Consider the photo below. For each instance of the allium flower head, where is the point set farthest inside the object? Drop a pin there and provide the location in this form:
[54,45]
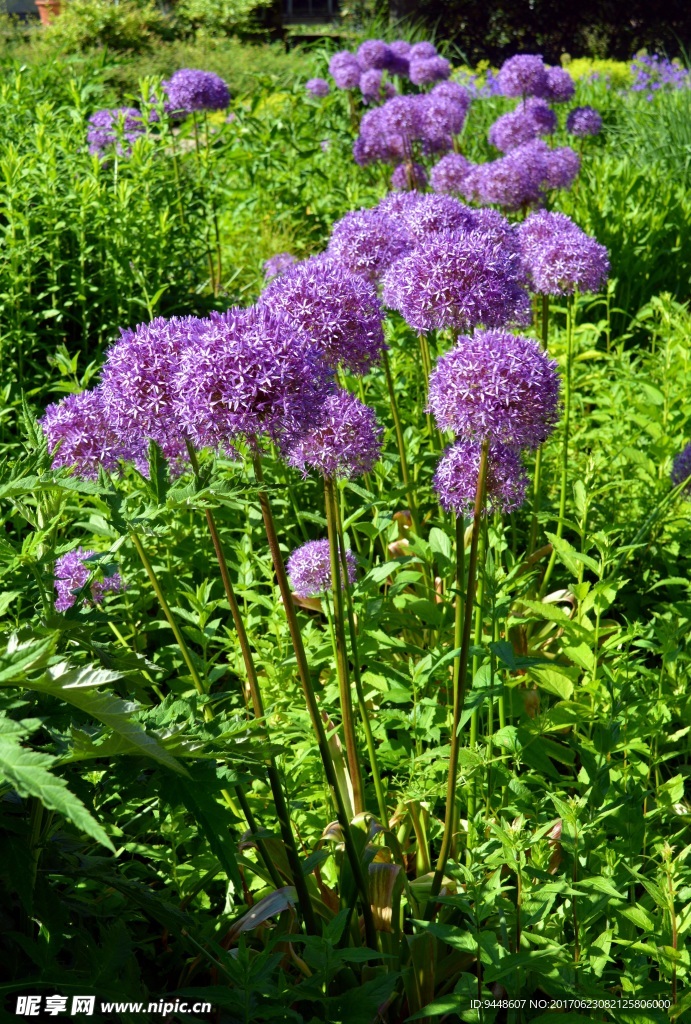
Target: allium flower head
[190,90]
[422,51]
[370,85]
[681,468]
[137,383]
[496,385]
[455,480]
[367,242]
[373,54]
[249,373]
[560,86]
[563,165]
[432,213]
[80,425]
[584,121]
[523,75]
[426,70]
[335,309]
[407,177]
[119,128]
[319,87]
[559,257]
[521,177]
[449,103]
[448,173]
[71,573]
[398,63]
[278,264]
[345,442]
[345,70]
[309,569]
[531,118]
[458,280]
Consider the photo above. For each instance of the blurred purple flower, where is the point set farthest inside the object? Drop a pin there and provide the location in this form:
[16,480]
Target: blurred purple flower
[345,70]
[278,264]
[523,75]
[371,85]
[88,440]
[448,173]
[422,51]
[367,242]
[455,480]
[408,177]
[584,121]
[319,87]
[309,569]
[119,127]
[71,575]
[373,54]
[424,71]
[560,86]
[345,442]
[496,385]
[190,90]
[530,119]
[563,165]
[681,468]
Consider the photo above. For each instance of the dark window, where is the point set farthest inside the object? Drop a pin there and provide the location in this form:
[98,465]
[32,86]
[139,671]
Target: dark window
[309,10]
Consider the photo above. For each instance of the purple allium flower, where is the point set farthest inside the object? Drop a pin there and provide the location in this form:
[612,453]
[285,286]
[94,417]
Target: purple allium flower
[345,70]
[320,300]
[496,385]
[681,468]
[530,119]
[448,173]
[560,86]
[561,258]
[458,280]
[408,176]
[345,442]
[523,75]
[87,438]
[370,85]
[309,569]
[278,264]
[319,87]
[455,480]
[563,165]
[499,231]
[137,383]
[190,90]
[431,214]
[398,63]
[119,127]
[71,574]
[249,373]
[450,101]
[584,121]
[422,51]
[373,54]
[367,242]
[424,71]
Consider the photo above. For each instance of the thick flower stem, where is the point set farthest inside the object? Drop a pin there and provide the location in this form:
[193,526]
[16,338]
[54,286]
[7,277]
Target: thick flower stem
[460,674]
[199,686]
[537,477]
[401,445]
[477,640]
[280,804]
[367,728]
[565,448]
[457,642]
[313,707]
[341,652]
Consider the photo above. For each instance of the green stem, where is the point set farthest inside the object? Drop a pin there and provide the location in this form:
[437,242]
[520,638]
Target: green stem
[565,447]
[474,718]
[341,653]
[537,477]
[401,444]
[214,212]
[457,643]
[460,674]
[313,707]
[362,706]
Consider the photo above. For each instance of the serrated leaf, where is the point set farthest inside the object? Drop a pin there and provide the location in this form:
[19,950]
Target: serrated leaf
[27,772]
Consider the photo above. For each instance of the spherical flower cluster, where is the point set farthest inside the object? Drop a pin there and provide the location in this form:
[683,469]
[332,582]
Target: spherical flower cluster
[448,173]
[458,280]
[531,118]
[422,51]
[345,70]
[367,242]
[249,372]
[371,85]
[398,62]
[190,90]
[345,442]
[309,569]
[119,127]
[560,86]
[563,165]
[584,121]
[319,87]
[409,176]
[523,75]
[71,575]
[426,215]
[521,177]
[426,70]
[80,426]
[496,385]
[373,54]
[681,468]
[457,472]
[278,264]
[392,132]
[137,383]
[320,300]
[559,257]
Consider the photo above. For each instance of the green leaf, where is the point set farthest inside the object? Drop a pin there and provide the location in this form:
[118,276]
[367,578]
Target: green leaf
[27,772]
[639,916]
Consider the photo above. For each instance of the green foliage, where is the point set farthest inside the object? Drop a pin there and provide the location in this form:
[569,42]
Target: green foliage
[118,24]
[216,17]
